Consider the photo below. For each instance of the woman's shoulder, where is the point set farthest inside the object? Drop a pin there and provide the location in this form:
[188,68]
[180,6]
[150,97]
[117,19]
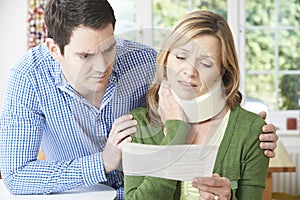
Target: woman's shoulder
[243,115]
[139,113]
[146,133]
[246,123]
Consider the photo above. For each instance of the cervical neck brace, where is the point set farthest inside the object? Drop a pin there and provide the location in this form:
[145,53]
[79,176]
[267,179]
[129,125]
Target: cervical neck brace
[205,106]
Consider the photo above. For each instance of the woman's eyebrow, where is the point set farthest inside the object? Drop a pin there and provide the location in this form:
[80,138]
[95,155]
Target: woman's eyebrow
[181,49]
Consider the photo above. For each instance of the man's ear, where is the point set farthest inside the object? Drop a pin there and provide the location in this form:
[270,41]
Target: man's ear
[53,48]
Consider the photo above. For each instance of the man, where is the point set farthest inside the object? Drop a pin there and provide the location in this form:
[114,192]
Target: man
[69,96]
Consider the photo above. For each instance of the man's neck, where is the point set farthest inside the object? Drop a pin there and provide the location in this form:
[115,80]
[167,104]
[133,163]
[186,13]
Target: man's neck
[95,98]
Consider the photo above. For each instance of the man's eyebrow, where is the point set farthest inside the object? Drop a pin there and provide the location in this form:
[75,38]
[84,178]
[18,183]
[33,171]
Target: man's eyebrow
[85,53]
[94,53]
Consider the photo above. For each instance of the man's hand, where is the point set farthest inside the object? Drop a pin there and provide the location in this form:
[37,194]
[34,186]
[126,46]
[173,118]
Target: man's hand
[120,133]
[269,139]
[211,187]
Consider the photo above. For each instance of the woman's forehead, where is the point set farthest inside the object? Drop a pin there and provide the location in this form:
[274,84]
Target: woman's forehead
[201,44]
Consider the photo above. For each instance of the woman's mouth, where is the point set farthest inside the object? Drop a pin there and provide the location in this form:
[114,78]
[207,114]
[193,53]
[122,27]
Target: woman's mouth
[187,84]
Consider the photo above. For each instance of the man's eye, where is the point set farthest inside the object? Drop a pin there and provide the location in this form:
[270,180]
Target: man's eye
[110,49]
[107,51]
[84,56]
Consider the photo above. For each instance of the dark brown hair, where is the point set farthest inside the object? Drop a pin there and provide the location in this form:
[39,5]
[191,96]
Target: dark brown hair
[63,16]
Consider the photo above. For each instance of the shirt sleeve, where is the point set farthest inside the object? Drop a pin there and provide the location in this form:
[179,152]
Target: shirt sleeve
[22,124]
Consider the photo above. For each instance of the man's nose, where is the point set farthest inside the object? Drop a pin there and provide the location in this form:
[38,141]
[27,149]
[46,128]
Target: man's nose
[99,63]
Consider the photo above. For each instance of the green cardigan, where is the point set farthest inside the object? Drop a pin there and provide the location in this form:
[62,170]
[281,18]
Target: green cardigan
[239,157]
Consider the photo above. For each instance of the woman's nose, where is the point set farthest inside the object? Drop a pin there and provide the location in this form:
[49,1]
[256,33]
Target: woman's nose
[190,69]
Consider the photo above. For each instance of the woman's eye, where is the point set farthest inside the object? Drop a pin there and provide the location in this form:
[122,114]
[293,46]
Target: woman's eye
[205,64]
[179,57]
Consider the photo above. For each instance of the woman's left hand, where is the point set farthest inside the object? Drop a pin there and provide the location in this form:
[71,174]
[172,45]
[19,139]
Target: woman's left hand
[213,188]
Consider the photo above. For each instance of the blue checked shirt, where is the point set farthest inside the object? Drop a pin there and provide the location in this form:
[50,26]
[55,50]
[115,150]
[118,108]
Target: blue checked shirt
[42,110]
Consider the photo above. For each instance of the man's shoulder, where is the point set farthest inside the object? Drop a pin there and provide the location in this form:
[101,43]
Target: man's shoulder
[33,59]
[134,59]
[129,47]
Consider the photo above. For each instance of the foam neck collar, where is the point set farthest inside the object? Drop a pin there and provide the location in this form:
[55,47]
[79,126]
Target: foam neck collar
[205,106]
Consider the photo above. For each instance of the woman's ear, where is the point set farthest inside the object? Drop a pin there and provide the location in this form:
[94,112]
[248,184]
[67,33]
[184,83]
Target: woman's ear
[220,75]
[53,48]
[222,71]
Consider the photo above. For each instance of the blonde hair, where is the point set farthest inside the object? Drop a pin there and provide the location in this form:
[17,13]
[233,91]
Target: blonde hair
[195,24]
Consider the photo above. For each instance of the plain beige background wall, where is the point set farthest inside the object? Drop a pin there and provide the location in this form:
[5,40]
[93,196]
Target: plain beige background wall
[13,16]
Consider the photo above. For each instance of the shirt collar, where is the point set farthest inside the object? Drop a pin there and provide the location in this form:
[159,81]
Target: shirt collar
[64,85]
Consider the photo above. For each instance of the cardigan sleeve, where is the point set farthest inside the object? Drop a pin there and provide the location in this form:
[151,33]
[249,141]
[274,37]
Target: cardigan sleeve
[150,188]
[153,188]
[254,166]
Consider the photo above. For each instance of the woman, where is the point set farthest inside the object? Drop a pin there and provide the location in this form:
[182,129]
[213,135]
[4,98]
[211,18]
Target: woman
[198,66]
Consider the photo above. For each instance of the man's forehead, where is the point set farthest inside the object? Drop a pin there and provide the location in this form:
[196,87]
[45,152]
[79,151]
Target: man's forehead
[90,40]
[102,46]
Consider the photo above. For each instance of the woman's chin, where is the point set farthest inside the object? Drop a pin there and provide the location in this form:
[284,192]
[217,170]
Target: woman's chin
[187,97]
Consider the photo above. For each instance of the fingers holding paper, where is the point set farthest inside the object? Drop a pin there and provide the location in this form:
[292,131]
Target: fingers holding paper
[214,187]
[120,133]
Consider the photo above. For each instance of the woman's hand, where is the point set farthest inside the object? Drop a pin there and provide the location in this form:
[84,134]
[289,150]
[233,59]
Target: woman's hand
[168,107]
[120,133]
[213,188]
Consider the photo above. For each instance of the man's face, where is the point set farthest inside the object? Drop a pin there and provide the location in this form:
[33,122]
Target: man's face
[88,59]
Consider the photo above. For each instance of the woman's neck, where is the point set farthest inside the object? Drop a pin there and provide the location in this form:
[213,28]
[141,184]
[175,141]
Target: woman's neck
[201,132]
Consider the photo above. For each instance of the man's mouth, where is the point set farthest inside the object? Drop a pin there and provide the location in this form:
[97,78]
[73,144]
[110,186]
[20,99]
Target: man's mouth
[99,76]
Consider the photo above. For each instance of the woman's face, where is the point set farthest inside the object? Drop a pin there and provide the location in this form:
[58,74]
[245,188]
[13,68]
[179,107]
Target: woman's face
[193,68]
